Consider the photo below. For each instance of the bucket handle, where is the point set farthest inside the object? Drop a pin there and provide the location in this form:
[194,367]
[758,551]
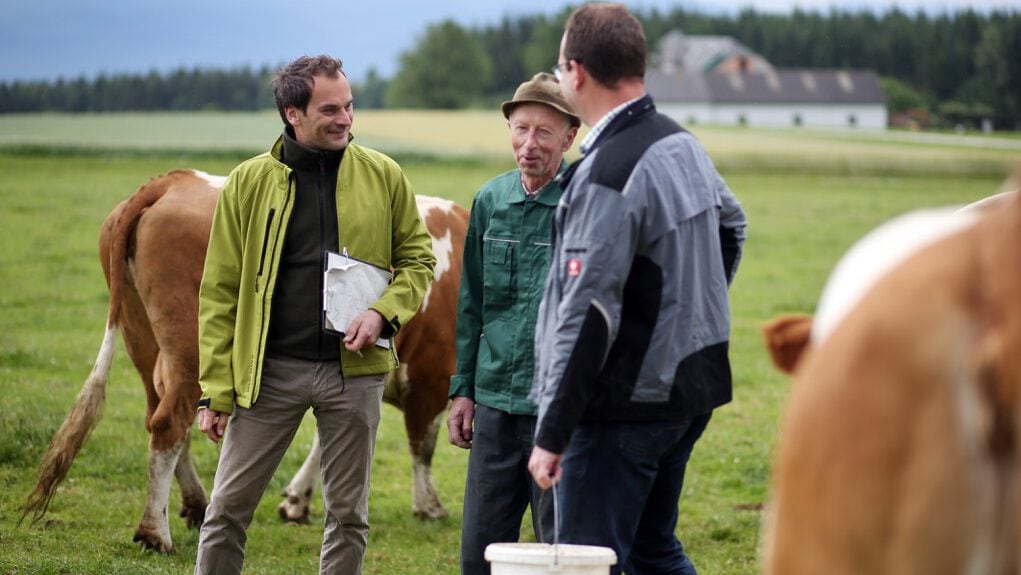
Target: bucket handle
[555,565]
[556,528]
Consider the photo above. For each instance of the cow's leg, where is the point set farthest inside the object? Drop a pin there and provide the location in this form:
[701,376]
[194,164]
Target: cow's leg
[153,531]
[425,502]
[193,495]
[169,428]
[423,400]
[298,493]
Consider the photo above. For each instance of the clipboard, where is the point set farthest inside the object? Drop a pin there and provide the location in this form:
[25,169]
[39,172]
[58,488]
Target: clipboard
[350,286]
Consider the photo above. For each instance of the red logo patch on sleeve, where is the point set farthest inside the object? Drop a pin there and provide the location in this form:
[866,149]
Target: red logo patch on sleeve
[574,267]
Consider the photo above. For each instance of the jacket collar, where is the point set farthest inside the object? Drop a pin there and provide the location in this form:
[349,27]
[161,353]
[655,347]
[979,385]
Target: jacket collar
[550,194]
[303,159]
[625,118]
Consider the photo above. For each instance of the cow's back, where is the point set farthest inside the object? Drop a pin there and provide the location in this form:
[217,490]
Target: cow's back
[170,215]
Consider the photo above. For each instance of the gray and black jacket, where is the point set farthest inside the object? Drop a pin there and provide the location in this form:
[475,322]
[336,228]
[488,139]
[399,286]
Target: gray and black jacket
[635,319]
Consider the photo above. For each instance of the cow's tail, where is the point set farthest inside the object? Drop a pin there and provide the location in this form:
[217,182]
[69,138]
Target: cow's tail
[68,441]
[122,229]
[88,407]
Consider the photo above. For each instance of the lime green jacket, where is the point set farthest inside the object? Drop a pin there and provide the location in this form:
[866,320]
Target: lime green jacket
[378,222]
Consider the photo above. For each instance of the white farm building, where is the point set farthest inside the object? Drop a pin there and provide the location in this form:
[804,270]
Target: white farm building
[717,80]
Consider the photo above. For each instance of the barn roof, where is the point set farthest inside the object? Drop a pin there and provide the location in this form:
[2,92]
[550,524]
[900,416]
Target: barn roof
[801,86]
[677,51]
[690,68]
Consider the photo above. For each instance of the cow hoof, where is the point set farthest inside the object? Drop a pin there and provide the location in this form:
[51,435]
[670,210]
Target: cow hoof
[193,515]
[294,507]
[431,513]
[293,514]
[152,542]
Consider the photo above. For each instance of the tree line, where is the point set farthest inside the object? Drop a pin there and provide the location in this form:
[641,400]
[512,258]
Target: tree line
[948,67]
[182,89]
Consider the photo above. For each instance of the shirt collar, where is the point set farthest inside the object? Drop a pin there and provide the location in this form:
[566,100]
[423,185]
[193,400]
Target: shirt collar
[599,126]
[536,193]
[548,195]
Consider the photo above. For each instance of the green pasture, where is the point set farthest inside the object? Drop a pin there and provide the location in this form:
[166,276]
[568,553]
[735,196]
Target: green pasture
[475,134]
[808,195]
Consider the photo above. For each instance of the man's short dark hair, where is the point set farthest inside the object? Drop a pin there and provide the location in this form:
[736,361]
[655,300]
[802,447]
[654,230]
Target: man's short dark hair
[292,85]
[608,40]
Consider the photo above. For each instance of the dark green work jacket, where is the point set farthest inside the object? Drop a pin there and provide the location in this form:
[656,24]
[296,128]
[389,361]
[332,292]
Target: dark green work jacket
[506,260]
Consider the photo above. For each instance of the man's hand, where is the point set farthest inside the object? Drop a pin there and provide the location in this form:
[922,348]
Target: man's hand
[459,424]
[364,330]
[545,467]
[213,424]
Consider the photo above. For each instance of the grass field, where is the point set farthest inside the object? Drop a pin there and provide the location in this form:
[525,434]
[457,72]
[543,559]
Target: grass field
[484,134]
[805,210]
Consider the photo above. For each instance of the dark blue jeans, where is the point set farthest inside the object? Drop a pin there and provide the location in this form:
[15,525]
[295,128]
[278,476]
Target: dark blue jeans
[499,488]
[620,489]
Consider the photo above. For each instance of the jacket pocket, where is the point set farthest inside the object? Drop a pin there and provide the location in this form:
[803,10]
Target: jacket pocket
[498,267]
[265,248]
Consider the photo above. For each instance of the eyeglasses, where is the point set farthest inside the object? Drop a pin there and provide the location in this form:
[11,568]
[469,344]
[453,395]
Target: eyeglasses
[559,69]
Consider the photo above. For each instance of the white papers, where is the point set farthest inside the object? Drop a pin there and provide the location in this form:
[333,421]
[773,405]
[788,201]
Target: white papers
[350,286]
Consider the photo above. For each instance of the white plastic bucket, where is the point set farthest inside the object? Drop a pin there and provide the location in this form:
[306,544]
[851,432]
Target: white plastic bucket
[543,558]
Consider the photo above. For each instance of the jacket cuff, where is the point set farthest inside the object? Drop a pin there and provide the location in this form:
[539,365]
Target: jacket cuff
[552,440]
[223,406]
[391,321]
[462,385]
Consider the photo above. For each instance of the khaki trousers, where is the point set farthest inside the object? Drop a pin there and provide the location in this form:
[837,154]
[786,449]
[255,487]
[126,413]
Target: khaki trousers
[347,416]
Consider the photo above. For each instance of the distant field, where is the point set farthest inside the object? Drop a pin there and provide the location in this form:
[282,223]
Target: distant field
[808,196]
[480,134]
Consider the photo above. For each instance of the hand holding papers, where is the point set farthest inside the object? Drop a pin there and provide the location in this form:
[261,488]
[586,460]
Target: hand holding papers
[350,286]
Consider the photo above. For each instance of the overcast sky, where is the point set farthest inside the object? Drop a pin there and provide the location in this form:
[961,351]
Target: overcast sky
[46,39]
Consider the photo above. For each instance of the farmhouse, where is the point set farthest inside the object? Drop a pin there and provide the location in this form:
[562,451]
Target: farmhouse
[718,80]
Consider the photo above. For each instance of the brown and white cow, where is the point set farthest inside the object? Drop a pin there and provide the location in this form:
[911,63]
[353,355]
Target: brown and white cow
[152,247]
[899,449]
[426,350]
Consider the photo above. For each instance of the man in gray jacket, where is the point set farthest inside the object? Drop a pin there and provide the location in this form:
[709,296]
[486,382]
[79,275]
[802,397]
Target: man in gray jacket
[634,325]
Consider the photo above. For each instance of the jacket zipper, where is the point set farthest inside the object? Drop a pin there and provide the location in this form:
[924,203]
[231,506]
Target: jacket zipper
[265,246]
[322,242]
[336,207]
[276,240]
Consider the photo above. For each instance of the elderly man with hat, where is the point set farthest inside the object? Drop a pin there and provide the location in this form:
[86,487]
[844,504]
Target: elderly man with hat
[506,258]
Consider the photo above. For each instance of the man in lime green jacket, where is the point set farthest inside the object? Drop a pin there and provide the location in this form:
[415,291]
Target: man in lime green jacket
[264,355]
